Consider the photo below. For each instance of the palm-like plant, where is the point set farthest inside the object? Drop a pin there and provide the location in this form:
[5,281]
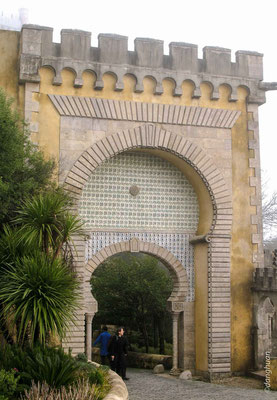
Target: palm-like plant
[39,297]
[45,222]
[38,290]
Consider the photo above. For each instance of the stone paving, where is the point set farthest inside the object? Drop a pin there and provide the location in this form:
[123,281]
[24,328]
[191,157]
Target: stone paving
[143,384]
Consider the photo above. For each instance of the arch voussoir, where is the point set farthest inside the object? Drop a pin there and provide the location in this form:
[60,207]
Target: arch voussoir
[180,281]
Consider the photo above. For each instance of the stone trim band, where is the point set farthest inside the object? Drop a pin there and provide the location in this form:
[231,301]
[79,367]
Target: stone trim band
[89,107]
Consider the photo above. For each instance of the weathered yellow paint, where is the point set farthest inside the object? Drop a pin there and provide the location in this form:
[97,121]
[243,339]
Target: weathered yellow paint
[273,377]
[9,50]
[201,307]
[241,253]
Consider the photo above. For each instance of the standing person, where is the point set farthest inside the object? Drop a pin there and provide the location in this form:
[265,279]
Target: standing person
[119,349]
[103,339]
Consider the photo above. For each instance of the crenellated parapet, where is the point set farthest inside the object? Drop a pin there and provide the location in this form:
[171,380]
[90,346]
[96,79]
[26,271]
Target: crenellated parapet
[148,59]
[265,279]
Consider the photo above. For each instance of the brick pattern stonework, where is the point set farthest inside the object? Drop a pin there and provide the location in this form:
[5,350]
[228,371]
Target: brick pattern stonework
[219,304]
[144,112]
[255,183]
[32,109]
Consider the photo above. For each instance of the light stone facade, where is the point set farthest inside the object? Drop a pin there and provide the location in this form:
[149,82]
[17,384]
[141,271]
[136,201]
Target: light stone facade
[114,120]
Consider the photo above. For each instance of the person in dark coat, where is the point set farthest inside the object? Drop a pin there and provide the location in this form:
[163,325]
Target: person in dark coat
[119,350]
[103,339]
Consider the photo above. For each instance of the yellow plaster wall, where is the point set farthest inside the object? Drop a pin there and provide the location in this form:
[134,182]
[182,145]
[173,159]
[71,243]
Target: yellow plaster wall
[242,248]
[273,376]
[201,307]
[9,50]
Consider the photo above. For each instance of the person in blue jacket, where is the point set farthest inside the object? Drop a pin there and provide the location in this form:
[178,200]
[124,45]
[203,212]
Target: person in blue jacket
[103,339]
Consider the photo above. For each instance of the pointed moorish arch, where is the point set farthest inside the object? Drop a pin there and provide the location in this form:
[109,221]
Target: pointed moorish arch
[149,136]
[176,301]
[200,348]
[176,269]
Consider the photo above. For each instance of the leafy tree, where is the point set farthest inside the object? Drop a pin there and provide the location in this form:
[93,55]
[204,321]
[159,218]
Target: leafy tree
[23,169]
[132,291]
[269,210]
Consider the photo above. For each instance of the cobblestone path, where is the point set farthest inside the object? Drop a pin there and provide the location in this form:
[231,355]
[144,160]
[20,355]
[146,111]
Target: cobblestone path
[144,385]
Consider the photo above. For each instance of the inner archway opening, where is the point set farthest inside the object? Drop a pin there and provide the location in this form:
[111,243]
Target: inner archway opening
[132,290]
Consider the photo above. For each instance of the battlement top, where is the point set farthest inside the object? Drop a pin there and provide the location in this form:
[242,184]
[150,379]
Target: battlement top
[265,279]
[147,59]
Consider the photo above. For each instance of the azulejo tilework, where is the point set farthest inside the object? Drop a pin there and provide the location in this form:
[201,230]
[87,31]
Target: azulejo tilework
[164,210]
[166,200]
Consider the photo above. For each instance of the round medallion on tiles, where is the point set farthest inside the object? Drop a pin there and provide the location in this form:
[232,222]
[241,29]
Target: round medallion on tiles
[134,190]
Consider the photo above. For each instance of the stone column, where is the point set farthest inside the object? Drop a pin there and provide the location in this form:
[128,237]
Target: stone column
[89,318]
[175,317]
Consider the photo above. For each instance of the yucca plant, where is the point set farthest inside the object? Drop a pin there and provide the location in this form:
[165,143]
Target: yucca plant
[45,222]
[39,296]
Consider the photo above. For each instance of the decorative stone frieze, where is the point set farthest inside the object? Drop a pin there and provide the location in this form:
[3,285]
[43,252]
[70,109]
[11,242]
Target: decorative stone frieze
[86,107]
[219,305]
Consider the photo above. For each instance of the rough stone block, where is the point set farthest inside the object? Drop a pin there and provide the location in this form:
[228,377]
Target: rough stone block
[149,52]
[217,60]
[75,44]
[186,375]
[158,369]
[249,64]
[183,56]
[113,48]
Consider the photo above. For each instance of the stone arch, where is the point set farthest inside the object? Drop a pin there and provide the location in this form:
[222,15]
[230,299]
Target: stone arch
[150,136]
[176,269]
[176,301]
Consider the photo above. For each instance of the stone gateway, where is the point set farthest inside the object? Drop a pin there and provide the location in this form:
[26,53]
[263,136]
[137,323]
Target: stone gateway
[161,154]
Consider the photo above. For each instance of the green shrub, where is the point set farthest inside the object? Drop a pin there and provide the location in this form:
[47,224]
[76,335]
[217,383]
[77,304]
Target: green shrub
[55,368]
[8,383]
[81,357]
[51,365]
[96,377]
[39,296]
[40,364]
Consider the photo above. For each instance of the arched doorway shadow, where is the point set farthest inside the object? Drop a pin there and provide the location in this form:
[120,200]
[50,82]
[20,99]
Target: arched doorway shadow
[265,328]
[177,303]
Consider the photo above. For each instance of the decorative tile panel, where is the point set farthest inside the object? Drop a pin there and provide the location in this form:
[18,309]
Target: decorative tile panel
[138,191]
